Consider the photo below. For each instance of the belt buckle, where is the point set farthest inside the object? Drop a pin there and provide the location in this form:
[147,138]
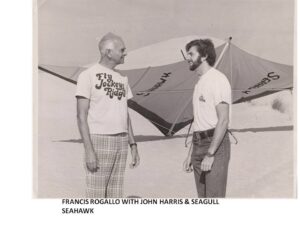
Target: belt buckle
[204,134]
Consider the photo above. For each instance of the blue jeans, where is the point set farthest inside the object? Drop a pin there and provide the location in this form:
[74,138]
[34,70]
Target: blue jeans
[211,184]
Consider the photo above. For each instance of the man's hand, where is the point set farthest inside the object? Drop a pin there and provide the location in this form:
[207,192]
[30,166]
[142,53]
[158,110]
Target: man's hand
[135,157]
[91,161]
[207,163]
[187,165]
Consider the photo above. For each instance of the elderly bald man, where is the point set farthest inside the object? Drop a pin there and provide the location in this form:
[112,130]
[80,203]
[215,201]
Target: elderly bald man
[103,121]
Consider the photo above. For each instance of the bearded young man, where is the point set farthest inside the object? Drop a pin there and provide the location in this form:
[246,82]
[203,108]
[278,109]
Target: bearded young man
[103,121]
[209,157]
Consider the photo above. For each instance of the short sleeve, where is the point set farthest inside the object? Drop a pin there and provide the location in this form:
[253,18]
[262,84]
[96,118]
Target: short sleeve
[83,86]
[129,92]
[222,92]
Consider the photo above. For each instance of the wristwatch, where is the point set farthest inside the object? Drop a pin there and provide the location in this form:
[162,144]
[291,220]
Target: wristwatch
[132,144]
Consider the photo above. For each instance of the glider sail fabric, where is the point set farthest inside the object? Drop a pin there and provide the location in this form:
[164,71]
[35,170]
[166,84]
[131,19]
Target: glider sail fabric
[252,77]
[162,93]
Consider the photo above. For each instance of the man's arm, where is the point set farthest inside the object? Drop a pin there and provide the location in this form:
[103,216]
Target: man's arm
[82,113]
[221,127]
[133,146]
[220,130]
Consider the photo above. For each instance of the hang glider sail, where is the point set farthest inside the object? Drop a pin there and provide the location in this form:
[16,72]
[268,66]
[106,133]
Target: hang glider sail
[162,83]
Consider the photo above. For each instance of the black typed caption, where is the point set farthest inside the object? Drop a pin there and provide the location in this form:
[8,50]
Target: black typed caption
[87,206]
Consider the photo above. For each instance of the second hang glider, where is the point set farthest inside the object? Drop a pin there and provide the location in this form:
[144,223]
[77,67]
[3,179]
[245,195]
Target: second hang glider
[162,83]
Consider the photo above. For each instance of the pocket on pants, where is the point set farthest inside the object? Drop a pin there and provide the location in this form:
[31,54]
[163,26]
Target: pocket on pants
[200,147]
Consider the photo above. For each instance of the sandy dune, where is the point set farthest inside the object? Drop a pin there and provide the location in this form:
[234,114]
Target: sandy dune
[262,163]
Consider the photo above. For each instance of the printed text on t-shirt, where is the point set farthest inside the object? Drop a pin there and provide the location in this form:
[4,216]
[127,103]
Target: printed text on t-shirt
[111,87]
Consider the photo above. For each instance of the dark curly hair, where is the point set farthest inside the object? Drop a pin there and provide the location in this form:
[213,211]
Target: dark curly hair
[205,47]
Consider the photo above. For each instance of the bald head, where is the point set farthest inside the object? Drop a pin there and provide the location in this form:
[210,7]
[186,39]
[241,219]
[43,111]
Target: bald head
[112,50]
[108,42]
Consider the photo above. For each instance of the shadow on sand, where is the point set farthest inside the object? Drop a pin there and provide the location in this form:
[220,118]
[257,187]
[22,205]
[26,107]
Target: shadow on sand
[138,138]
[264,129]
[145,138]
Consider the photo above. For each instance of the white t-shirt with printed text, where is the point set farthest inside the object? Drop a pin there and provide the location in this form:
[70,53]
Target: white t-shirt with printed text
[108,92]
[212,88]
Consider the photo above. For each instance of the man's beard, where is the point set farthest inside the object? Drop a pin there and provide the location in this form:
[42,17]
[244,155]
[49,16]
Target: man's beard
[196,64]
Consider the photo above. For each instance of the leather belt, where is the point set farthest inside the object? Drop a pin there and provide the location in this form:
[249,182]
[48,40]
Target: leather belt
[204,134]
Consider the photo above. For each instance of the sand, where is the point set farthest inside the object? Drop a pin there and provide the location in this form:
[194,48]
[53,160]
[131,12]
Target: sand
[261,165]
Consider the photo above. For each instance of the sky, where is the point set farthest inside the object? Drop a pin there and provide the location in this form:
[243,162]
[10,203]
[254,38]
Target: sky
[69,30]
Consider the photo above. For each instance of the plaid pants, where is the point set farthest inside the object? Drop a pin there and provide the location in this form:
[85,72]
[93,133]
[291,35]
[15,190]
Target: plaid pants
[111,153]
